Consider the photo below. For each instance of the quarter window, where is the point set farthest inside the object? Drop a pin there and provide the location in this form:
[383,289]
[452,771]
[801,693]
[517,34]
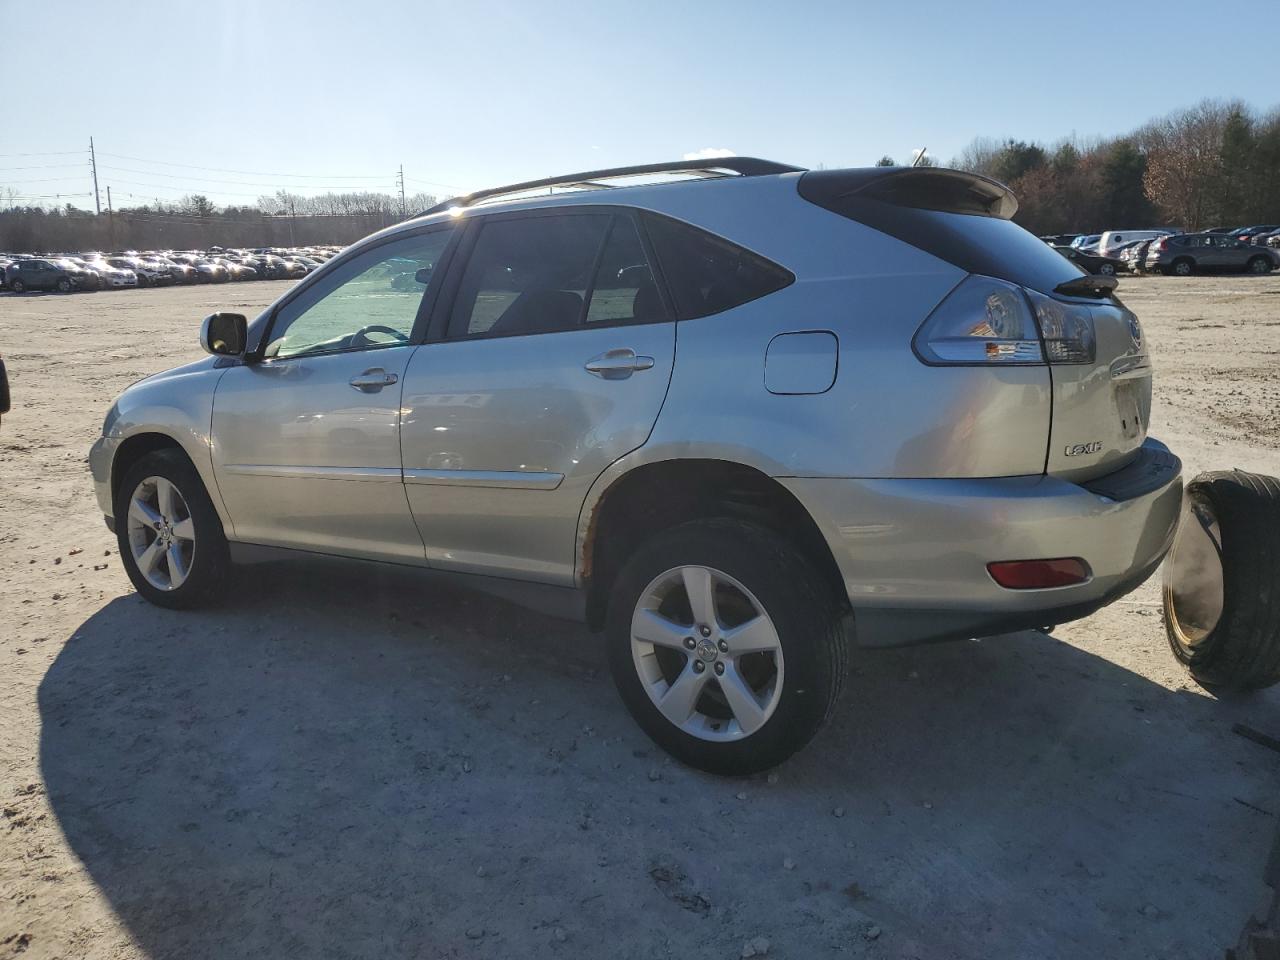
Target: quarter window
[370,301]
[707,274]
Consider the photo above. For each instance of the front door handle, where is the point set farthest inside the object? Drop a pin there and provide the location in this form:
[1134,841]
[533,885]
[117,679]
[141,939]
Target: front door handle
[373,380]
[617,364]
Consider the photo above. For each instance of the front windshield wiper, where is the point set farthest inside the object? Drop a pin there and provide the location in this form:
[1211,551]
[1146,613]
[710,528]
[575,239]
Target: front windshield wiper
[1094,285]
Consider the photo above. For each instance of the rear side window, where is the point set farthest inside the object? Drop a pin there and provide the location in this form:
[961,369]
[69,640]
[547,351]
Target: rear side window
[707,274]
[544,274]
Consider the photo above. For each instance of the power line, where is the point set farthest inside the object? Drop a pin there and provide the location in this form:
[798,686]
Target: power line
[248,173]
[56,153]
[46,166]
[235,183]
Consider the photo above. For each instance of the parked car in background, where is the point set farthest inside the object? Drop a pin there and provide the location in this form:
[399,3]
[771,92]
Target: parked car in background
[41,274]
[1091,262]
[1135,256]
[1273,239]
[113,277]
[1112,240]
[85,277]
[1209,253]
[1085,241]
[1251,234]
[569,446]
[1060,239]
[1217,230]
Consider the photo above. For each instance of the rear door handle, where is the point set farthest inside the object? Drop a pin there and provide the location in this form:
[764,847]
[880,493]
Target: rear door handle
[373,380]
[617,364]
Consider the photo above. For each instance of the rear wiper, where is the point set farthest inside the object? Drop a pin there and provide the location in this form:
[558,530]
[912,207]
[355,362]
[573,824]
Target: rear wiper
[1094,285]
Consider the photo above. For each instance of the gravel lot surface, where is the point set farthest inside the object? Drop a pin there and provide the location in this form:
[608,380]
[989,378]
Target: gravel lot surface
[348,761]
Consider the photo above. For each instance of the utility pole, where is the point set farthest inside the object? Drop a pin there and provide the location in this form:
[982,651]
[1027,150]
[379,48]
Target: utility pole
[111,221]
[93,160]
[293,216]
[403,212]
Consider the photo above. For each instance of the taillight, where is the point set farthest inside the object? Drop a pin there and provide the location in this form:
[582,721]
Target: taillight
[988,321]
[982,321]
[1067,329]
[1158,245]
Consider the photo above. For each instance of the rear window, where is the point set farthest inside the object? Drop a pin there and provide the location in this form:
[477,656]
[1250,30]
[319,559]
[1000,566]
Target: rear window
[707,274]
[989,245]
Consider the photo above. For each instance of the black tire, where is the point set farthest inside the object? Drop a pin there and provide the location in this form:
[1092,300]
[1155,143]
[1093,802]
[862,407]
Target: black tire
[804,611]
[1241,649]
[64,285]
[1259,265]
[1183,268]
[17,285]
[1107,269]
[210,561]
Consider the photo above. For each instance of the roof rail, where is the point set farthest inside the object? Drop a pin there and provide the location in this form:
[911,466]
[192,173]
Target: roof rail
[742,166]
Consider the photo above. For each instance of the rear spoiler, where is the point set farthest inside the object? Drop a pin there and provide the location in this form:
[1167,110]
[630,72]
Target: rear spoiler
[922,188]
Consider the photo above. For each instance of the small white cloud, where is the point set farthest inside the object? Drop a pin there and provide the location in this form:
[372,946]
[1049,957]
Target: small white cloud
[710,153]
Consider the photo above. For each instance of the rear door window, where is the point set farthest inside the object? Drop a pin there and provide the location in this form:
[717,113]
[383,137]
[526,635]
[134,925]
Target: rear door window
[707,274]
[555,272]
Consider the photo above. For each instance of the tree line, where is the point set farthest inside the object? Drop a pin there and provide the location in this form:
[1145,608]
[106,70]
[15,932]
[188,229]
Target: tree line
[1214,164]
[282,219]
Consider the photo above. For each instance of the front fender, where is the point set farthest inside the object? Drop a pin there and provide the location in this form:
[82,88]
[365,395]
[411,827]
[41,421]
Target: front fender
[177,404]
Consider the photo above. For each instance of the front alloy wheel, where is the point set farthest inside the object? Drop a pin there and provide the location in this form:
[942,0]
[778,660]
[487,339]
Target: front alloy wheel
[162,534]
[170,536]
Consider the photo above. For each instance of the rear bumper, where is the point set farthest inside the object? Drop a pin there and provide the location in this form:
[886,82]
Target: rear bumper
[913,553]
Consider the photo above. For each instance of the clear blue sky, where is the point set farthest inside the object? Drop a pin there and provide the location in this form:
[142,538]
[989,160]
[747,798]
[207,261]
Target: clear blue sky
[474,93]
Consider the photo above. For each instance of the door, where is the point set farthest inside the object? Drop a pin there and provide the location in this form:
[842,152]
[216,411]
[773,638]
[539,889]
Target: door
[306,440]
[555,363]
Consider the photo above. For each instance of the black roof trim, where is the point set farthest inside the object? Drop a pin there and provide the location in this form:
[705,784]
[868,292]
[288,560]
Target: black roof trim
[924,188]
[742,166]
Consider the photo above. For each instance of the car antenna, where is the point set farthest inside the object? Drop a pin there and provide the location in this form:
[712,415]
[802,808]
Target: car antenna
[919,156]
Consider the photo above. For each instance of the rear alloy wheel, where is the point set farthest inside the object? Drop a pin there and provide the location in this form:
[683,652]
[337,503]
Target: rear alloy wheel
[1221,601]
[17,286]
[1260,265]
[170,536]
[723,663]
[1107,269]
[1183,268]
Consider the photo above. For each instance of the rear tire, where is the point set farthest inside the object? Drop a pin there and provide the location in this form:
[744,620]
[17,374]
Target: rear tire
[187,556]
[796,628]
[17,286]
[1222,581]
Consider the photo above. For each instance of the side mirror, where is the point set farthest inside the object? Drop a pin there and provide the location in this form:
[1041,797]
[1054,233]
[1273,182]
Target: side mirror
[224,334]
[423,276]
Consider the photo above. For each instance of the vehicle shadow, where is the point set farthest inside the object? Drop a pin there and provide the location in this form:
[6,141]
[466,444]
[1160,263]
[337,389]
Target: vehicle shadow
[351,761]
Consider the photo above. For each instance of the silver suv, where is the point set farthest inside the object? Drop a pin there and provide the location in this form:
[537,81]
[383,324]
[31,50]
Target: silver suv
[736,420]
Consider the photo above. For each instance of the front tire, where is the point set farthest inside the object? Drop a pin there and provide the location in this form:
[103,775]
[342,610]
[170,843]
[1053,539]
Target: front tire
[1183,268]
[1222,581]
[1107,269]
[170,536]
[726,645]
[1260,265]
[64,285]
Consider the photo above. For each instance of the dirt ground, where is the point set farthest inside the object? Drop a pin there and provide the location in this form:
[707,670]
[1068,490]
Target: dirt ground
[349,762]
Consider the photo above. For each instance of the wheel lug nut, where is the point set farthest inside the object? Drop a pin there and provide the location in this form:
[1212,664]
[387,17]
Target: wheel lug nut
[698,666]
[704,630]
[719,669]
[689,643]
[724,647]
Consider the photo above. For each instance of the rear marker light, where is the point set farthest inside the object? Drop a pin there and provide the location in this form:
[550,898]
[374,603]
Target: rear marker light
[1039,574]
